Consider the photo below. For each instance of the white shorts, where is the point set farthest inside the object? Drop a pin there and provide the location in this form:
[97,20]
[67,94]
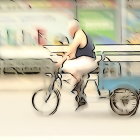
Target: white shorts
[81,65]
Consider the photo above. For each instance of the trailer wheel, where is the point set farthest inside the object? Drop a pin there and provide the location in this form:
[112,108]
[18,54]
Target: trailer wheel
[124,101]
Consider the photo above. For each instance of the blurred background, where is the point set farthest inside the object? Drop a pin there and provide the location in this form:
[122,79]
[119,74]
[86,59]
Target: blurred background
[44,22]
[37,23]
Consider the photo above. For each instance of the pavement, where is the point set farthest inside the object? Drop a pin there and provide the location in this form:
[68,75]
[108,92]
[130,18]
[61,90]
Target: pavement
[19,118]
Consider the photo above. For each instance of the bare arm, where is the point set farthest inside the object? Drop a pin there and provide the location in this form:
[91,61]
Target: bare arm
[73,48]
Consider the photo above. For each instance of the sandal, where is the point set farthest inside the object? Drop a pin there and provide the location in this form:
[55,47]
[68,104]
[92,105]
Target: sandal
[81,101]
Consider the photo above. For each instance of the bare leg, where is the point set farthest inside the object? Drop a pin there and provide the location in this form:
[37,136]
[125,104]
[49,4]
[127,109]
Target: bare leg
[79,69]
[79,88]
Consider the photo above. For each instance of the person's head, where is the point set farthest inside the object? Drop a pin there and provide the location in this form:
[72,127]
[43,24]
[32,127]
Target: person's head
[73,27]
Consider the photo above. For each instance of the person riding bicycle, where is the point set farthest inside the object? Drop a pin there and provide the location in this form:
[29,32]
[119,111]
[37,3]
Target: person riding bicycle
[79,60]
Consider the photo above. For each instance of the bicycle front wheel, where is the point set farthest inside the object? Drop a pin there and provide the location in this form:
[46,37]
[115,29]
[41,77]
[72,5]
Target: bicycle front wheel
[47,104]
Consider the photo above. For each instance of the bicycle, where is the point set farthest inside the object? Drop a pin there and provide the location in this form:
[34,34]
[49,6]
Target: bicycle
[124,99]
